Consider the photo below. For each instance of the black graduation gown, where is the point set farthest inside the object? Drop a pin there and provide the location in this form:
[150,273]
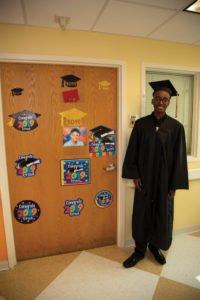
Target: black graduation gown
[158,158]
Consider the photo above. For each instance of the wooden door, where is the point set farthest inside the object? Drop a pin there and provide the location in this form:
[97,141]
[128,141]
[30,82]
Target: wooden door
[50,214]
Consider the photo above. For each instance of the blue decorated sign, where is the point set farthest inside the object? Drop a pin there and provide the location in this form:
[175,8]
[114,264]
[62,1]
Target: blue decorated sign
[75,171]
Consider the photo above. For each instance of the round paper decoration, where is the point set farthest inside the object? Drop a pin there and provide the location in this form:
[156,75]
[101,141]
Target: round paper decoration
[103,199]
[27,211]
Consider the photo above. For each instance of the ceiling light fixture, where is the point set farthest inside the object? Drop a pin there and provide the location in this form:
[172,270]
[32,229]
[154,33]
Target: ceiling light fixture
[62,21]
[194,7]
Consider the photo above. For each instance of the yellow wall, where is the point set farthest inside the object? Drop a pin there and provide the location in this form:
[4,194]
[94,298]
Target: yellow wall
[187,206]
[134,52]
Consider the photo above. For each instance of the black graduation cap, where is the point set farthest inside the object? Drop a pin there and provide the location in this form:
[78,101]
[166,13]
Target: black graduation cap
[73,169]
[24,115]
[102,131]
[17,91]
[165,85]
[27,161]
[70,80]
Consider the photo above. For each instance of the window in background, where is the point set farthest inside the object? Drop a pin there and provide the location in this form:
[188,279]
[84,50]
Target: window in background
[183,109]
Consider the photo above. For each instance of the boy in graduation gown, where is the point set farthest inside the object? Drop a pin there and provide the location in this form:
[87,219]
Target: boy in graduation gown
[156,160]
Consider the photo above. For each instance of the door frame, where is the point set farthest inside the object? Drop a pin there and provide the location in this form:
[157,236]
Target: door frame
[122,122]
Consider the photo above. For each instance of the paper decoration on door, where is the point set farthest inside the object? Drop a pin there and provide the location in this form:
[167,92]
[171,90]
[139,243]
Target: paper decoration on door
[71,117]
[104,85]
[102,141]
[74,136]
[16,91]
[26,165]
[27,212]
[75,171]
[71,95]
[69,80]
[103,199]
[73,208]
[24,120]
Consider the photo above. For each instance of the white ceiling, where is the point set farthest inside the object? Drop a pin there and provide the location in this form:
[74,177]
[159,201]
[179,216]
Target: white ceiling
[153,19]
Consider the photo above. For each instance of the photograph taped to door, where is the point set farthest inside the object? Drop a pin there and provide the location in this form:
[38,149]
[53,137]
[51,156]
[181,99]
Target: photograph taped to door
[75,171]
[74,136]
[27,212]
[24,120]
[103,199]
[26,165]
[73,208]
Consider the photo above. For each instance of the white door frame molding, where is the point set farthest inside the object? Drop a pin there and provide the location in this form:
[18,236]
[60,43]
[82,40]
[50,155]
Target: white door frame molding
[121,138]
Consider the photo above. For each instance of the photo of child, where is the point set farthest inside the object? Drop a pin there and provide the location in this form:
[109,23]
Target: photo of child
[74,136]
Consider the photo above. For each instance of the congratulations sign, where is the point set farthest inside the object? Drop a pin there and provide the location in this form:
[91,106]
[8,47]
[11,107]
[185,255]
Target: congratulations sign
[27,211]
[75,171]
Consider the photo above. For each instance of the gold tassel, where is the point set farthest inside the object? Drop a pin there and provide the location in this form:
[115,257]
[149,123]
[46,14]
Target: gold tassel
[62,121]
[11,122]
[176,113]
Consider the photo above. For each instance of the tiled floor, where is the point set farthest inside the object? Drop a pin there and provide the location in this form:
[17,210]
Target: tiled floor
[98,274]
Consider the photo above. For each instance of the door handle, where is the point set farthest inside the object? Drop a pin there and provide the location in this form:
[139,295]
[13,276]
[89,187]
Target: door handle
[110,167]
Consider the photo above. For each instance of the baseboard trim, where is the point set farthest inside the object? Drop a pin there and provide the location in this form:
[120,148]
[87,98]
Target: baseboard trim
[187,230]
[4,265]
[131,243]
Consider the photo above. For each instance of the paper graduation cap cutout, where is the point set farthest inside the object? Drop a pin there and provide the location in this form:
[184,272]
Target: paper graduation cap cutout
[69,80]
[102,141]
[27,161]
[16,91]
[104,85]
[73,116]
[166,85]
[102,131]
[71,95]
[25,120]
[26,165]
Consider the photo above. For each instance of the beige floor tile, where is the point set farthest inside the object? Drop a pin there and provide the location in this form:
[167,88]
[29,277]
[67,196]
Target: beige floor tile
[92,277]
[197,234]
[28,278]
[169,289]
[149,264]
[113,252]
[183,263]
[120,254]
